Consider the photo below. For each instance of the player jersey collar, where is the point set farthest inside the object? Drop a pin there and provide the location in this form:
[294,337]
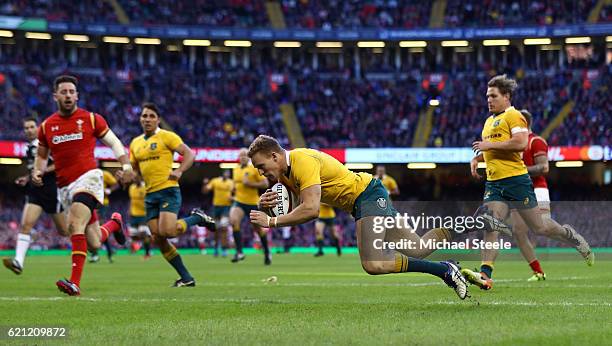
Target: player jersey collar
[154,133]
[504,111]
[288,163]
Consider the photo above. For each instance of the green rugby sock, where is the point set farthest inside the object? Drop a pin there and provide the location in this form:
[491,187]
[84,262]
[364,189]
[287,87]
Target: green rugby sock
[405,264]
[487,269]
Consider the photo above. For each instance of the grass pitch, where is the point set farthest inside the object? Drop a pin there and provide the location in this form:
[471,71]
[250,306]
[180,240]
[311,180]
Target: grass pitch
[326,300]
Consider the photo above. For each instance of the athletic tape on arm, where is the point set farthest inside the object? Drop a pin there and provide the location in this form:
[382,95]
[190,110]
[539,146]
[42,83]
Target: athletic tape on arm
[111,140]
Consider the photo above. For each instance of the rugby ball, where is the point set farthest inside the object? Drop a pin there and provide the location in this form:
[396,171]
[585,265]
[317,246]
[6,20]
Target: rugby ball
[285,202]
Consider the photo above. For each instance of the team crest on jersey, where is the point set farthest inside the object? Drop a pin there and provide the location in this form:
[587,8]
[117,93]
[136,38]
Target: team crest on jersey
[381,202]
[79,125]
[496,123]
[153,146]
[487,194]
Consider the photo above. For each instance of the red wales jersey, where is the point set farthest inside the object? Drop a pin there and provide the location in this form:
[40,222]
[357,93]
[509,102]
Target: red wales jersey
[72,141]
[536,146]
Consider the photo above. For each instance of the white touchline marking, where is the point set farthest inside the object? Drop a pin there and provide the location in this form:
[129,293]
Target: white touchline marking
[511,303]
[296,301]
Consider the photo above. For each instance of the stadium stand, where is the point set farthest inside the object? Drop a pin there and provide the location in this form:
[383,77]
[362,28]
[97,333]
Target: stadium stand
[313,13]
[355,14]
[517,12]
[237,13]
[232,104]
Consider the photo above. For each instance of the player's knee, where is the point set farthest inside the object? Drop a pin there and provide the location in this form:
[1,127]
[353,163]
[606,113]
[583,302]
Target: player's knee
[164,232]
[75,227]
[93,244]
[373,267]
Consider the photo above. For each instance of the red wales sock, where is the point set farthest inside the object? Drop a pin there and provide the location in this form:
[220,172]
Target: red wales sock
[535,265]
[79,254]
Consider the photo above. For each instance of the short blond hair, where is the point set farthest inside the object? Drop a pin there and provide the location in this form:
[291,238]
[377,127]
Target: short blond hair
[264,144]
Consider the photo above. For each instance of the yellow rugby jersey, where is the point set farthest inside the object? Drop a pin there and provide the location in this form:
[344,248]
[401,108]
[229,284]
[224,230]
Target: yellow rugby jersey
[137,195]
[389,183]
[245,194]
[499,128]
[326,211]
[339,186]
[154,158]
[222,191]
[109,180]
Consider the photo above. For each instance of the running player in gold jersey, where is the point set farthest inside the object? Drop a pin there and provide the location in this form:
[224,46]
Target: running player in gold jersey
[327,218]
[151,155]
[221,188]
[247,182]
[317,177]
[505,136]
[388,182]
[138,217]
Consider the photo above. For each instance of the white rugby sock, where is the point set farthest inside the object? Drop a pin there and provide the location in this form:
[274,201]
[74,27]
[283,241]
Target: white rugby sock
[23,243]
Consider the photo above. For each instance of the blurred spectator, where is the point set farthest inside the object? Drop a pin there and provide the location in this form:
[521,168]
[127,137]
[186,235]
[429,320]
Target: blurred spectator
[516,12]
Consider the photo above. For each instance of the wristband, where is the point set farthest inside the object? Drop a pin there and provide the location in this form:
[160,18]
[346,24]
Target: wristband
[126,167]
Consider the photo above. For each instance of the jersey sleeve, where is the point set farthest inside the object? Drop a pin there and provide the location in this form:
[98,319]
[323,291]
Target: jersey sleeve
[172,140]
[309,171]
[132,156]
[100,126]
[539,147]
[42,139]
[517,123]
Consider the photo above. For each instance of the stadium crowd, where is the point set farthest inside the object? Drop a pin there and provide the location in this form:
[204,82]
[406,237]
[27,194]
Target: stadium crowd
[312,13]
[356,14]
[516,12]
[220,105]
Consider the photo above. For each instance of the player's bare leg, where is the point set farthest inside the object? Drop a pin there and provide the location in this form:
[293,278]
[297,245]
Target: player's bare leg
[224,224]
[93,234]
[543,225]
[336,239]
[98,234]
[376,261]
[483,279]
[236,216]
[520,232]
[79,215]
[30,215]
[59,219]
[170,226]
[263,238]
[167,222]
[319,236]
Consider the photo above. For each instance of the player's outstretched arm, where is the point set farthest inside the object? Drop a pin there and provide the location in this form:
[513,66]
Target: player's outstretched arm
[188,158]
[111,140]
[40,165]
[306,211]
